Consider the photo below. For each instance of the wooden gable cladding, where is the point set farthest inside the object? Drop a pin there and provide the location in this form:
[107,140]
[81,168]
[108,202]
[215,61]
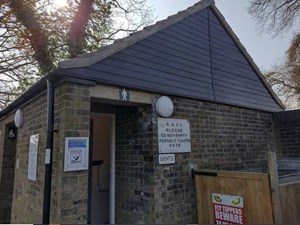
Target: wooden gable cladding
[174,61]
[234,79]
[194,57]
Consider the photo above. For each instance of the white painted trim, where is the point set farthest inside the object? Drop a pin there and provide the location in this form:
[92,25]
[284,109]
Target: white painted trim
[112,174]
[113,93]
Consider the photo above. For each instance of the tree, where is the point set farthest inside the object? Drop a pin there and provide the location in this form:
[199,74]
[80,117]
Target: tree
[285,78]
[278,17]
[35,35]
[293,62]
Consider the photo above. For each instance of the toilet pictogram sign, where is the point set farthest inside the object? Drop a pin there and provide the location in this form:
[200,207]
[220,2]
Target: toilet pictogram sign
[124,95]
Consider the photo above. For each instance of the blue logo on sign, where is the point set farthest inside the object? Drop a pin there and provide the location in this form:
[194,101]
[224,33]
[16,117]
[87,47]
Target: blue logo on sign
[77,144]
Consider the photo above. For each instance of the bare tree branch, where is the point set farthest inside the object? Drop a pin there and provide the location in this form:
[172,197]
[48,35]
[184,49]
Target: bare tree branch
[285,78]
[276,16]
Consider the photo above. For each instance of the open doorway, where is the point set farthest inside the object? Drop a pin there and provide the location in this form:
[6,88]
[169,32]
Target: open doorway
[8,172]
[102,169]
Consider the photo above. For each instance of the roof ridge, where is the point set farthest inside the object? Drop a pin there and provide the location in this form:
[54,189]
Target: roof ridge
[120,44]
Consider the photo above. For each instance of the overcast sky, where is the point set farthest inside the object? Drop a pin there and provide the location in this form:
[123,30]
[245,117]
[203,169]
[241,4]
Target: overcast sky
[265,50]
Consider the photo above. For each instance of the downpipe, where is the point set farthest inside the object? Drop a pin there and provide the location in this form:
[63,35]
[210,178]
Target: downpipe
[49,152]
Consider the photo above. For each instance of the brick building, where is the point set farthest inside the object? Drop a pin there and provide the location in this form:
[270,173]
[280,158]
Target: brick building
[100,108]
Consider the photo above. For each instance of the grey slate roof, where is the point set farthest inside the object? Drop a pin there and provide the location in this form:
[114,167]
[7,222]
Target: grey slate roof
[192,54]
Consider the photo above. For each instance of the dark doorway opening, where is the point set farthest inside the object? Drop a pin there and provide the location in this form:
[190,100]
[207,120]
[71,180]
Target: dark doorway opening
[8,172]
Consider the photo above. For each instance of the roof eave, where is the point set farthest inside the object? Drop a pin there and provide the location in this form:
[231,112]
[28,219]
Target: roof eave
[41,84]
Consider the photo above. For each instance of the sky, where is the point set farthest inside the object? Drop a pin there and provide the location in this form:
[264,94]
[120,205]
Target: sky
[263,48]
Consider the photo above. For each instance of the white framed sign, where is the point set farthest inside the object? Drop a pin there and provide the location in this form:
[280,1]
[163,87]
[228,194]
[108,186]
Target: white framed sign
[76,153]
[173,135]
[32,156]
[166,159]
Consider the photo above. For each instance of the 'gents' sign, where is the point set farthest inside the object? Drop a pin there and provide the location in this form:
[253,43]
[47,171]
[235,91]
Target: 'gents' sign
[166,158]
[173,135]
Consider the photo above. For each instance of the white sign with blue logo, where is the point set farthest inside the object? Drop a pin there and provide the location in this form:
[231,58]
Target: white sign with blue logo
[76,153]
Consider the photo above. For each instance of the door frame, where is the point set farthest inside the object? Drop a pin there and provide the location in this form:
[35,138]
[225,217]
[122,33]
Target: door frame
[112,185]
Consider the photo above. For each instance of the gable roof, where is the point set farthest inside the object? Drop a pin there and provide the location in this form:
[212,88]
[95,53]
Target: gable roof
[191,54]
[226,72]
[120,44]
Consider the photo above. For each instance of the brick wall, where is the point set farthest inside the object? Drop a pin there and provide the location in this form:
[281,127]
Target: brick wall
[287,130]
[134,166]
[28,194]
[69,189]
[223,137]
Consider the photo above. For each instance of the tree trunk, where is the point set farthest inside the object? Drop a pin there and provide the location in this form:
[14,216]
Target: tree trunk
[76,34]
[25,13]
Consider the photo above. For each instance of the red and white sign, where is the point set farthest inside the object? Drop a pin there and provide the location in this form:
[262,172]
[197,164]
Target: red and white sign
[228,209]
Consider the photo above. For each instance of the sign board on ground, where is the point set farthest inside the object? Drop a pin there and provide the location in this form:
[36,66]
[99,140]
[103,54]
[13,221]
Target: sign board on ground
[173,135]
[228,209]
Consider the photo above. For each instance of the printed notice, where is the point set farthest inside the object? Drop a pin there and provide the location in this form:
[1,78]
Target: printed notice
[76,153]
[228,209]
[32,156]
[173,135]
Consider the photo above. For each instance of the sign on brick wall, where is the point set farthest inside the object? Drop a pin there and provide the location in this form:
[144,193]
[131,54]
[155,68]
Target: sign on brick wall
[32,157]
[173,135]
[166,159]
[76,153]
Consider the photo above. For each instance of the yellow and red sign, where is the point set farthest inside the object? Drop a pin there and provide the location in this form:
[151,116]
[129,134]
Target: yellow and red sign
[228,209]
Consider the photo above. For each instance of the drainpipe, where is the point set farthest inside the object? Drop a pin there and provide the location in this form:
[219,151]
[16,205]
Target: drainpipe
[48,153]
